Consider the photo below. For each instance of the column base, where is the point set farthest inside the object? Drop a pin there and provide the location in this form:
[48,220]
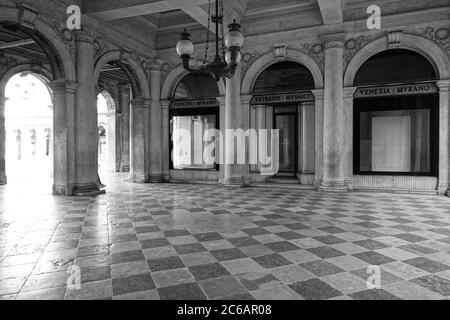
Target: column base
[233,182]
[333,186]
[349,184]
[125,168]
[166,177]
[3,180]
[158,178]
[137,178]
[63,190]
[88,190]
[443,190]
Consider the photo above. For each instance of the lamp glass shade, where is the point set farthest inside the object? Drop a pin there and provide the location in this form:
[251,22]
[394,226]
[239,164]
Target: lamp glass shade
[229,57]
[234,38]
[185,47]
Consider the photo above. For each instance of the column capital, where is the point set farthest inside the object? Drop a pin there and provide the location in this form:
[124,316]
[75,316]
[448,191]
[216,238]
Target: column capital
[62,86]
[335,40]
[221,100]
[124,89]
[319,94]
[84,36]
[140,103]
[155,65]
[165,104]
[349,92]
[246,99]
[444,85]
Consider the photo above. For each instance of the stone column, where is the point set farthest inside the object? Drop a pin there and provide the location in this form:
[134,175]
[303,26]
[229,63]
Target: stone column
[111,136]
[3,179]
[333,120]
[62,138]
[124,99]
[220,153]
[156,172]
[233,173]
[138,141]
[245,125]
[86,117]
[444,136]
[349,92]
[318,166]
[165,148]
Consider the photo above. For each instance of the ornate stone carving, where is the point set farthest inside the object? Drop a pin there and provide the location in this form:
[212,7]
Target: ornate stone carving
[394,38]
[336,40]
[279,50]
[441,36]
[65,34]
[354,45]
[84,36]
[315,52]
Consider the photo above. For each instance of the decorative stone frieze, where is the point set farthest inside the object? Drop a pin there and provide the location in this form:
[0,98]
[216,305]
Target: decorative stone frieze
[439,35]
[354,44]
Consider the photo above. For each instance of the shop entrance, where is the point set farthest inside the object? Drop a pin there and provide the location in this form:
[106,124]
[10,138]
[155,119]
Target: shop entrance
[285,120]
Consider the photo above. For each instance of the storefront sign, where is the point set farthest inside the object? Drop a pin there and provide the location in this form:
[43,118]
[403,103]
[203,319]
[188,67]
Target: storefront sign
[403,90]
[283,98]
[199,103]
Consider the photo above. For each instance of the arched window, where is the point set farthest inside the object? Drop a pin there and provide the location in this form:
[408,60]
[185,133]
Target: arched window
[284,77]
[193,112]
[196,86]
[395,66]
[281,102]
[396,115]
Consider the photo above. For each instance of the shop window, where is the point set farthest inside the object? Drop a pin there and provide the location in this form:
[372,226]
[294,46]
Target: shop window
[392,138]
[396,133]
[190,123]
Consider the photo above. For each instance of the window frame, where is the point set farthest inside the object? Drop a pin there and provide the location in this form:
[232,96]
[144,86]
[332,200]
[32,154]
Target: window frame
[186,112]
[428,102]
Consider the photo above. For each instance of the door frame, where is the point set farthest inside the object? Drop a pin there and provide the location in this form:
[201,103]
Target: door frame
[294,113]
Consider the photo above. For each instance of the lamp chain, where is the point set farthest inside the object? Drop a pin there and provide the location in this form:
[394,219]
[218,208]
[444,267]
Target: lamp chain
[223,28]
[208,31]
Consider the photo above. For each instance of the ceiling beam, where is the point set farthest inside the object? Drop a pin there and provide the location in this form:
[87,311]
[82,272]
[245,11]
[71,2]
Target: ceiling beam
[332,11]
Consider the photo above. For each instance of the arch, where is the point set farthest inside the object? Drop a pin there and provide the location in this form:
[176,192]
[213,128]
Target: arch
[425,47]
[174,77]
[268,59]
[141,86]
[109,100]
[12,15]
[42,73]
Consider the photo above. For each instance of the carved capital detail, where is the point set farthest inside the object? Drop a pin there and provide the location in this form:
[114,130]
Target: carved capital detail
[84,36]
[336,40]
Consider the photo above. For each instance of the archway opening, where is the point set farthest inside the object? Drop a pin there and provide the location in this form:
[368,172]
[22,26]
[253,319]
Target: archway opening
[283,101]
[29,131]
[118,86]
[396,116]
[194,111]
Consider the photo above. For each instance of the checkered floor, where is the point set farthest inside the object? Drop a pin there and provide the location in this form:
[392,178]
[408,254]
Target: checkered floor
[206,242]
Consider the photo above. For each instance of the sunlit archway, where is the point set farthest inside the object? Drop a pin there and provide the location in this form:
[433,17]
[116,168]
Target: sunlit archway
[29,130]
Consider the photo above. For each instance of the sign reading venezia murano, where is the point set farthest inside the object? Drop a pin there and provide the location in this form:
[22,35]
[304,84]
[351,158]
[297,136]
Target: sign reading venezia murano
[401,90]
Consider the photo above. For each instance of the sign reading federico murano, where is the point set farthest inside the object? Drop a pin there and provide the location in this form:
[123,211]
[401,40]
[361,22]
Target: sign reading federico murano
[400,90]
